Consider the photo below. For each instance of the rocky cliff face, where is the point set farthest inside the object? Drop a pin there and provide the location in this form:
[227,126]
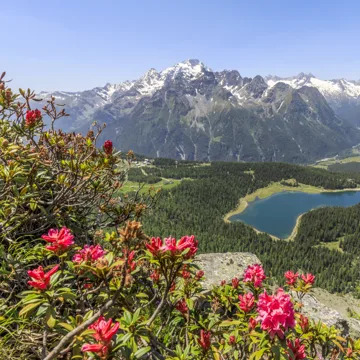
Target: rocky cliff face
[320,305]
[190,112]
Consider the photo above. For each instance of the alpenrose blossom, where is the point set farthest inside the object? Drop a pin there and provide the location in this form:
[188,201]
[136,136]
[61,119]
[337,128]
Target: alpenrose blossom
[158,247]
[32,117]
[304,323]
[254,274]
[297,349]
[235,282]
[185,274]
[252,323]
[131,263]
[155,246]
[308,278]
[291,277]
[232,340]
[89,253]
[182,306]
[104,332]
[199,274]
[40,279]
[60,240]
[247,302]
[205,339]
[108,147]
[276,313]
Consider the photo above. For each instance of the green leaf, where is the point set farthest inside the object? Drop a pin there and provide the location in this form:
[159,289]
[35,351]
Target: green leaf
[25,310]
[50,321]
[66,326]
[141,352]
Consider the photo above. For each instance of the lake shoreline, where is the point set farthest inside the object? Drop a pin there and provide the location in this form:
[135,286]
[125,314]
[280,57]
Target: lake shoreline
[277,188]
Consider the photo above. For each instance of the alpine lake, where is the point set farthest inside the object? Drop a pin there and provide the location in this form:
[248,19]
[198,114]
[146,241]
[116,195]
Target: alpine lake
[278,213]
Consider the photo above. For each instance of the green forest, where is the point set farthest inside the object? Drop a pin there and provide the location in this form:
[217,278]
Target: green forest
[208,191]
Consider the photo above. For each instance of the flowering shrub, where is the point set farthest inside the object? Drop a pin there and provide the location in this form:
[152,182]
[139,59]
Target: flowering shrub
[82,280]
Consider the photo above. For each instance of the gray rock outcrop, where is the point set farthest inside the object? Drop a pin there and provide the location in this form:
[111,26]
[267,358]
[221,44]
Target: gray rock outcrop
[319,305]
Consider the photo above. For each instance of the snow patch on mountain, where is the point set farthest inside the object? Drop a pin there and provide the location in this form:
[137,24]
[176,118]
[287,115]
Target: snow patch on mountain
[328,88]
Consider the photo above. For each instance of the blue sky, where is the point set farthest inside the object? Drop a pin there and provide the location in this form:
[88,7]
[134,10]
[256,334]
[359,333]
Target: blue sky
[78,44]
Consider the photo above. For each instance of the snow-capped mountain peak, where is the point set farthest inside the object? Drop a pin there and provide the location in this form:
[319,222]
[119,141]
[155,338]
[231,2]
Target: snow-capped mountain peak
[331,89]
[190,69]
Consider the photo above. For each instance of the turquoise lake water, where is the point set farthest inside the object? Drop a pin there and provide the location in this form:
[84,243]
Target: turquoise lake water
[277,214]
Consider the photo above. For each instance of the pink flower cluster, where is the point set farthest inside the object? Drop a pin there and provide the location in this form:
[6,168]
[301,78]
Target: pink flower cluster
[291,277]
[182,306]
[40,279]
[104,332]
[88,254]
[205,339]
[276,313]
[32,117]
[60,240]
[247,302]
[235,282]
[254,274]
[297,349]
[108,147]
[157,246]
[308,278]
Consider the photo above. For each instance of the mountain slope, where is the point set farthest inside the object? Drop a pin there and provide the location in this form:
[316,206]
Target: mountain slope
[190,112]
[342,95]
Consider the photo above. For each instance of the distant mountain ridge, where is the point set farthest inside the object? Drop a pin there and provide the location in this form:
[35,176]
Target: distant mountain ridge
[188,111]
[341,94]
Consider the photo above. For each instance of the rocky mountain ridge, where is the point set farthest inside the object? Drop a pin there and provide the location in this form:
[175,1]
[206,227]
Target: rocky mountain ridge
[190,112]
[341,94]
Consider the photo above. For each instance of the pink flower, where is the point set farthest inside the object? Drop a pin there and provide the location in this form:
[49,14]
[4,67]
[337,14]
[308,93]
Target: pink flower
[235,282]
[254,274]
[155,245]
[205,339]
[222,282]
[232,340]
[182,306]
[32,117]
[108,147]
[252,324]
[199,275]
[297,349]
[41,280]
[185,274]
[291,277]
[304,323]
[104,332]
[88,254]
[100,349]
[155,276]
[308,278]
[247,302]
[60,240]
[130,260]
[276,313]
[188,242]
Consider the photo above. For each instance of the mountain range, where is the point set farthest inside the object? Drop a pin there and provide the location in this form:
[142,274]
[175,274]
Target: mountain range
[190,112]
